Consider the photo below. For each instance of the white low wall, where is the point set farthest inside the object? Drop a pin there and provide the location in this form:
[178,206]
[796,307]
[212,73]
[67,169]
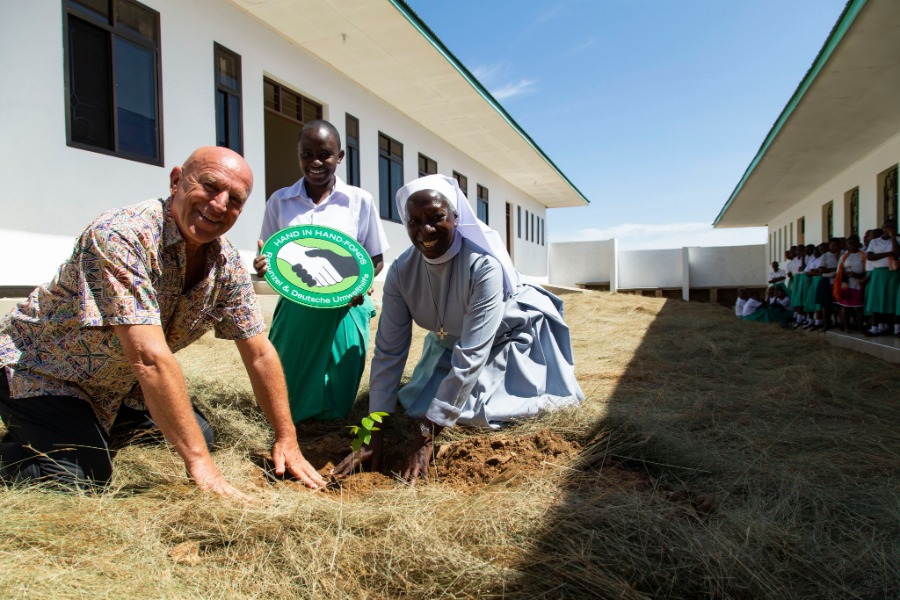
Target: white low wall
[600,261]
[730,266]
[650,269]
[583,262]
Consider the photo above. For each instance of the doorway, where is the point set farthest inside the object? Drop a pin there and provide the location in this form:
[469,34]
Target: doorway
[285,113]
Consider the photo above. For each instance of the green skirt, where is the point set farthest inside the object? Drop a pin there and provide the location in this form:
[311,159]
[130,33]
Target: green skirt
[881,291]
[809,294]
[781,285]
[768,314]
[323,354]
[799,285]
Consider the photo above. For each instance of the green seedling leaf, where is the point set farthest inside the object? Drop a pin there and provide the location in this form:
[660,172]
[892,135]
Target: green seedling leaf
[363,431]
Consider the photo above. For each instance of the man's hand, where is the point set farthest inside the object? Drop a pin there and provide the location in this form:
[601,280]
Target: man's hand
[370,453]
[287,457]
[267,378]
[209,479]
[260,263]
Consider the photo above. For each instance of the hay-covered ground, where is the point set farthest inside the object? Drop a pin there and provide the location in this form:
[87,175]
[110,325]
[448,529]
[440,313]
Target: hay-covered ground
[713,458]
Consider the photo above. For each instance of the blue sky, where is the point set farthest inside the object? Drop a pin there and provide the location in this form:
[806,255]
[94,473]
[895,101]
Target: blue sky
[653,108]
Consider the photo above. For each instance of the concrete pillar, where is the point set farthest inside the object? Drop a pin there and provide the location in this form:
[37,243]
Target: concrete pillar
[614,267]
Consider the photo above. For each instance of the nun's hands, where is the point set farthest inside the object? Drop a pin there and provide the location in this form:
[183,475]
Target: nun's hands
[369,453]
[423,450]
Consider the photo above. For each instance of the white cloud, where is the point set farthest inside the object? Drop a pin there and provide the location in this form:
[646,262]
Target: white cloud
[515,88]
[642,236]
[485,73]
[580,47]
[491,76]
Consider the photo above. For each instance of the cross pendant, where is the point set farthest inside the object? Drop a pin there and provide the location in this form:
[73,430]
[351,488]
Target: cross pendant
[441,333]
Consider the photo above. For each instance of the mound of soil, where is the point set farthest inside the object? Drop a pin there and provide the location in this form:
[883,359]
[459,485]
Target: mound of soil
[482,460]
[467,464]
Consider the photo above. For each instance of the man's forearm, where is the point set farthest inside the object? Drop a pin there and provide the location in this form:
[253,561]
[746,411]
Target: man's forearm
[165,394]
[267,378]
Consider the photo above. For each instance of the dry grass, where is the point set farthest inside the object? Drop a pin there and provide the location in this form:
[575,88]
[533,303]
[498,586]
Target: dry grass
[721,459]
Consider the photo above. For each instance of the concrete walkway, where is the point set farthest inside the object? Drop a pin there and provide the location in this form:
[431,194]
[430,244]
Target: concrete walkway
[884,347]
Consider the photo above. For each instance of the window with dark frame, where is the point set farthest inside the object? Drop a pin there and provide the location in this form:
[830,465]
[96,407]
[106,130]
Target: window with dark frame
[427,166]
[288,104]
[828,219]
[229,127]
[541,232]
[352,157]
[527,239]
[482,202]
[112,75]
[854,211]
[533,239]
[889,193]
[463,183]
[519,221]
[390,175]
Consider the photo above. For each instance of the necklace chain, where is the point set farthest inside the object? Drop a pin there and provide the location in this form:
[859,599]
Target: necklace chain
[441,332]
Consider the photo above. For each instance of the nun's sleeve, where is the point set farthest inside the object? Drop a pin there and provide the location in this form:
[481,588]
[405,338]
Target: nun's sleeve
[484,314]
[391,346]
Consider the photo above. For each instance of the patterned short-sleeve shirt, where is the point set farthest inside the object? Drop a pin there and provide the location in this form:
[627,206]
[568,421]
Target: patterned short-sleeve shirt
[127,268]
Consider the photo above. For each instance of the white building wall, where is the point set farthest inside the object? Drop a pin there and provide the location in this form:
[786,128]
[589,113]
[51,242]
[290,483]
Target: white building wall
[53,191]
[862,173]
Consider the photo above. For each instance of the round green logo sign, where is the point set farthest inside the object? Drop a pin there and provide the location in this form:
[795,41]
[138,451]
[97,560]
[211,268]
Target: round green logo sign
[317,266]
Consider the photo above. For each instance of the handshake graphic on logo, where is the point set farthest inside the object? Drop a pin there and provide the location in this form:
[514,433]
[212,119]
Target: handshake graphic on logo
[318,266]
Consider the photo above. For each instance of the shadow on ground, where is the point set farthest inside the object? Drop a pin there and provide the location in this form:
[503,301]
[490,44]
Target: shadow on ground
[736,460]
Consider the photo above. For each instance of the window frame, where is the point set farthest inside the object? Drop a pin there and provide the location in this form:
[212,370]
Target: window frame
[426,166]
[387,208]
[73,9]
[278,108]
[237,95]
[463,182]
[353,173]
[482,199]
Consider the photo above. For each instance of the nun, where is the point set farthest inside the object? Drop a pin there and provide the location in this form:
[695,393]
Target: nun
[497,351]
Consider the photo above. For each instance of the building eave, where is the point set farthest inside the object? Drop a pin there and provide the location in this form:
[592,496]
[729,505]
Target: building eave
[385,48]
[843,109]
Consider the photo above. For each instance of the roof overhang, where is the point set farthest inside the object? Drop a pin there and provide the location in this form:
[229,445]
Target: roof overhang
[384,47]
[847,105]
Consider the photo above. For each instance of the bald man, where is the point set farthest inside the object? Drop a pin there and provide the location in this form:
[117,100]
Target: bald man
[89,356]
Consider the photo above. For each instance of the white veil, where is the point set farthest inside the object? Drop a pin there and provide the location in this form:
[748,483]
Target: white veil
[469,225]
